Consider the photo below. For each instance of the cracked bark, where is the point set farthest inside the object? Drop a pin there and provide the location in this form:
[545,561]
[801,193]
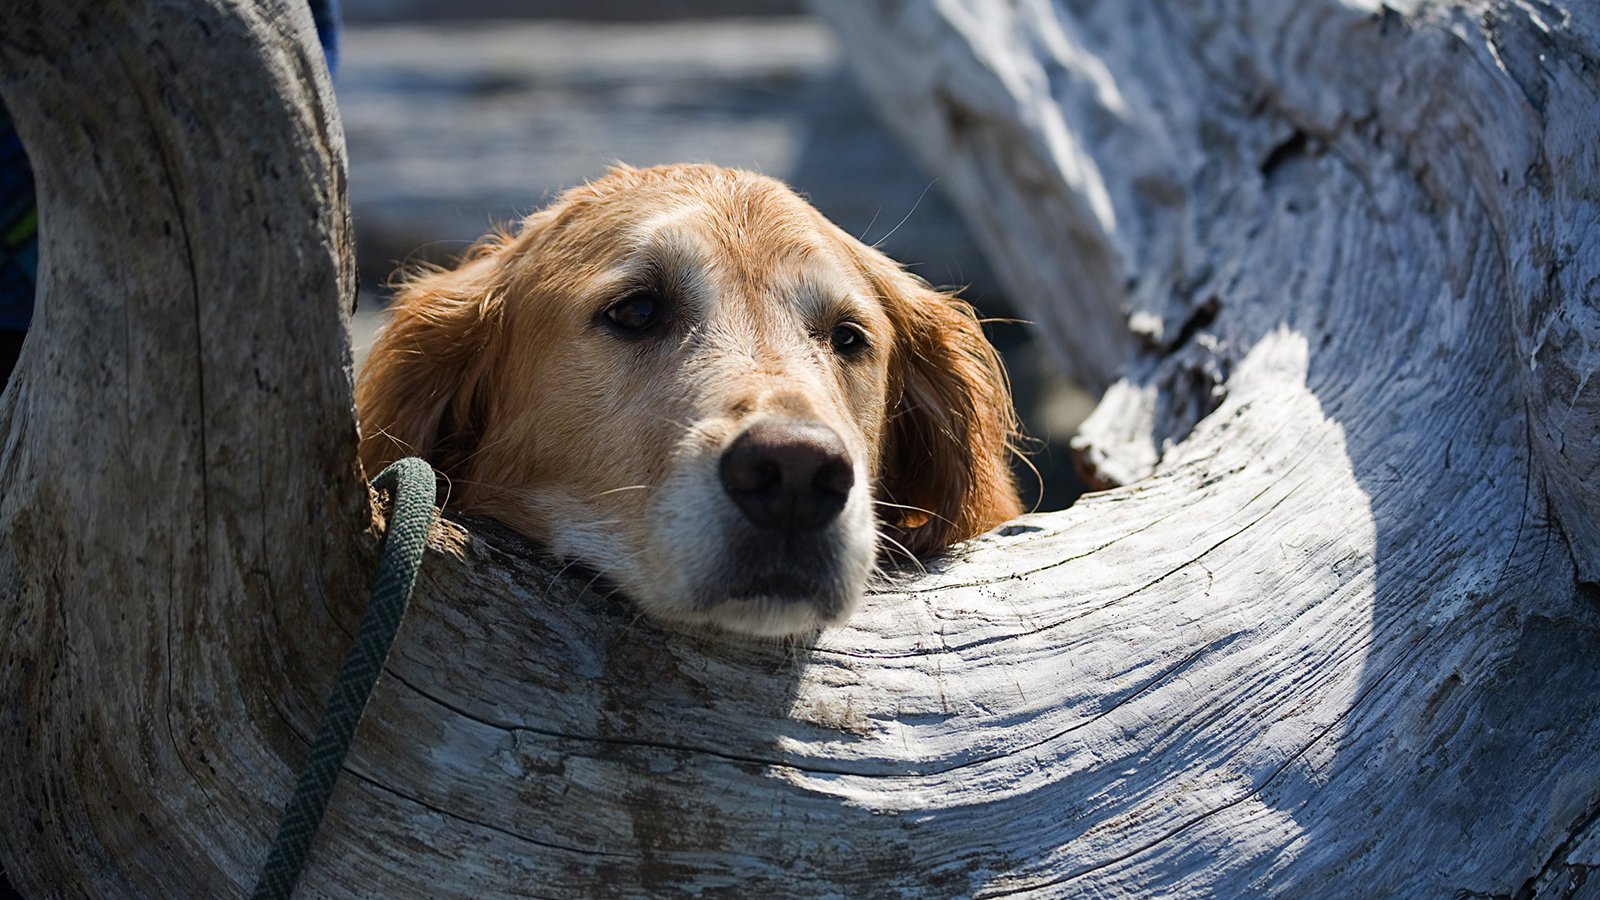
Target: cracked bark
[1331,632]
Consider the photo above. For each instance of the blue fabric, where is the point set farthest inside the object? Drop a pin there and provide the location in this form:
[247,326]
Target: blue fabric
[326,14]
[19,221]
[19,231]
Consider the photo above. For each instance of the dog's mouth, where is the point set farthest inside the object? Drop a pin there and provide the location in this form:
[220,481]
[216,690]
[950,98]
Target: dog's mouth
[787,588]
[793,568]
[781,612]
[792,588]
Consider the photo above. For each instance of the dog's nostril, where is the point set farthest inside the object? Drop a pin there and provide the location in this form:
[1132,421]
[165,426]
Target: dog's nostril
[790,476]
[835,476]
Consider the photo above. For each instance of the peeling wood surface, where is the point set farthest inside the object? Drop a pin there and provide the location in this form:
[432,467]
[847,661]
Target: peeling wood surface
[1329,637]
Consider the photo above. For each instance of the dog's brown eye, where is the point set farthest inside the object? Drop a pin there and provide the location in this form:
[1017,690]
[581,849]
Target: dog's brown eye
[636,313]
[847,339]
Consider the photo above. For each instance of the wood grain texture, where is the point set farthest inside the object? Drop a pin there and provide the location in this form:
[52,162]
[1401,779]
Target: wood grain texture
[1329,637]
[1396,203]
[182,516]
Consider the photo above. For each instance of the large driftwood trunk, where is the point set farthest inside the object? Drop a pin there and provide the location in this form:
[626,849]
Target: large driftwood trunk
[1337,633]
[182,515]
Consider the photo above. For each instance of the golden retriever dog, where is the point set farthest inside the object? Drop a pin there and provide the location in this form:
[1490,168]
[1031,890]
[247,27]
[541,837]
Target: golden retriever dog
[688,380]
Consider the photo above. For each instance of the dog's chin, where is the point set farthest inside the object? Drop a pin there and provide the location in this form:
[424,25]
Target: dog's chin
[779,602]
[776,611]
[761,590]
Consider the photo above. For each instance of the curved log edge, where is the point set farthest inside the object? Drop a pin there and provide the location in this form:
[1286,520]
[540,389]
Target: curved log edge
[1332,635]
[182,513]
[1407,192]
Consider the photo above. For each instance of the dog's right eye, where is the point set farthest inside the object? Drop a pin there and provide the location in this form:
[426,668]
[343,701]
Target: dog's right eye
[636,315]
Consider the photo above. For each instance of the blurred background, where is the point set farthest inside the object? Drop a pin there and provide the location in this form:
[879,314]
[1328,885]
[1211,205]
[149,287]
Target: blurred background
[462,114]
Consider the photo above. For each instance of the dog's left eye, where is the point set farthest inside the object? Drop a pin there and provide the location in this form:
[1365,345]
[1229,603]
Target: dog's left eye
[636,314]
[847,339]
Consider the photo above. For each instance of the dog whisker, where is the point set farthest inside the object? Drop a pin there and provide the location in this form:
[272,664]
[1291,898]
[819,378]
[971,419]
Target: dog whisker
[679,424]
[487,445]
[912,557]
[927,512]
[618,490]
[862,237]
[907,217]
[599,572]
[1038,477]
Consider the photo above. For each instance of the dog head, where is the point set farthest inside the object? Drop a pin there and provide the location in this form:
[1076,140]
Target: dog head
[688,380]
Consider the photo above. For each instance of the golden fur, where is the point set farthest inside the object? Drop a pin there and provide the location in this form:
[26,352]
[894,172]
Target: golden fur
[502,373]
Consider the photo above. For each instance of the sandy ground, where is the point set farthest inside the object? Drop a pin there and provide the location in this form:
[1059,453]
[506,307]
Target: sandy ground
[454,126]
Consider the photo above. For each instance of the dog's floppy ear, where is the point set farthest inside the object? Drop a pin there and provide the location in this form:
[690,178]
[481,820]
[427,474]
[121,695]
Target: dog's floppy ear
[419,392]
[946,462]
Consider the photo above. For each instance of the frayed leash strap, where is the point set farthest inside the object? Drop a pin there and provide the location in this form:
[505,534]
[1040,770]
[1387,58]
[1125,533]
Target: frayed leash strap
[412,483]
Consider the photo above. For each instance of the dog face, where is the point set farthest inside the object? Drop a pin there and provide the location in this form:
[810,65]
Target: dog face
[690,381]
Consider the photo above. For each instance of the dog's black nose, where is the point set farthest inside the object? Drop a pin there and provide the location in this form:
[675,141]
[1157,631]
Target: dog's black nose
[790,476]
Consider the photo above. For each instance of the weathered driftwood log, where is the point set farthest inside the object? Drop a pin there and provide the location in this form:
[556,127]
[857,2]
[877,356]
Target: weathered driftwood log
[1359,246]
[1331,637]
